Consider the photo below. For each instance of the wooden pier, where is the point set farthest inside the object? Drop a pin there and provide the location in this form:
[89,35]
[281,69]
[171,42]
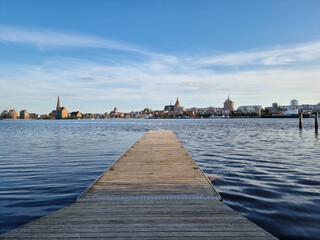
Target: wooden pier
[154,190]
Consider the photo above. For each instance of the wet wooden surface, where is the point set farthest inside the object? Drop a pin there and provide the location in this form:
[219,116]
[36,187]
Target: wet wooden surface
[154,190]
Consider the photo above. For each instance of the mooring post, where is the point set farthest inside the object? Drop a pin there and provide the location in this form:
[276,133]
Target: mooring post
[300,119]
[316,123]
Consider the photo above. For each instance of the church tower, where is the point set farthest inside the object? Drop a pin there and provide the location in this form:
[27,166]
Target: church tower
[61,112]
[58,104]
[177,103]
[228,104]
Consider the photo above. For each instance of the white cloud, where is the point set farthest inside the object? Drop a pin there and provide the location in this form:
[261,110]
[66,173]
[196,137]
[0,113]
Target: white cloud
[124,84]
[257,77]
[44,39]
[277,56]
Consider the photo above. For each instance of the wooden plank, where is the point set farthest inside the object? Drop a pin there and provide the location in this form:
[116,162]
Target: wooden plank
[154,190]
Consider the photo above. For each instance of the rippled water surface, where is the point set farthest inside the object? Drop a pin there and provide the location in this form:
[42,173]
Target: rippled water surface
[266,169]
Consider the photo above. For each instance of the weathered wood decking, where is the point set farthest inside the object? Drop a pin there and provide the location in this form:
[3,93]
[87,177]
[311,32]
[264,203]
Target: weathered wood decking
[155,190]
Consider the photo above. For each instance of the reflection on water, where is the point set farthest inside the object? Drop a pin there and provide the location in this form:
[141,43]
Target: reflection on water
[267,169]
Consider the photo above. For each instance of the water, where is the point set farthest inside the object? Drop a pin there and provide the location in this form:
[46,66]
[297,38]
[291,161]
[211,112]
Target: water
[266,169]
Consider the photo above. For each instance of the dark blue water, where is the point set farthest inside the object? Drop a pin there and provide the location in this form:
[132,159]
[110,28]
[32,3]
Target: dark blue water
[267,169]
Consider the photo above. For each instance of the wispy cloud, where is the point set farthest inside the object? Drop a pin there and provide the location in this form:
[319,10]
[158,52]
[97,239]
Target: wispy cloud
[279,55]
[268,57]
[44,39]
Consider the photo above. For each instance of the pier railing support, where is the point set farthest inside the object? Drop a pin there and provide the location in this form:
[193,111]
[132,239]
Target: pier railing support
[316,122]
[300,119]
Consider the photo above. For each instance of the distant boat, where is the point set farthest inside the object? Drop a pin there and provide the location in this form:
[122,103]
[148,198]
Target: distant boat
[290,112]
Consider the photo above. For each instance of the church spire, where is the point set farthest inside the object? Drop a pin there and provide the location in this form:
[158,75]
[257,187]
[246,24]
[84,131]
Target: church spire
[177,103]
[58,104]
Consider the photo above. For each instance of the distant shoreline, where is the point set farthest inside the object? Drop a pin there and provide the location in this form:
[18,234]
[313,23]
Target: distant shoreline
[213,118]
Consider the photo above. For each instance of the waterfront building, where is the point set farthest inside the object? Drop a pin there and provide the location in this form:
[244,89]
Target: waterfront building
[254,109]
[98,116]
[309,107]
[4,114]
[33,116]
[53,113]
[88,115]
[294,104]
[174,108]
[169,107]
[201,111]
[76,114]
[218,110]
[306,108]
[191,113]
[141,114]
[211,110]
[116,114]
[160,114]
[275,109]
[45,116]
[12,114]
[24,114]
[129,115]
[228,105]
[61,112]
[146,110]
[94,115]
[106,115]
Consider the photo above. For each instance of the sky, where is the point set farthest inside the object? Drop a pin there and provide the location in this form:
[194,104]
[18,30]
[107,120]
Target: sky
[97,55]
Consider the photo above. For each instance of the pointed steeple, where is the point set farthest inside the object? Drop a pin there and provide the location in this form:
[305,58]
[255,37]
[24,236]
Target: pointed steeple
[177,103]
[228,97]
[58,104]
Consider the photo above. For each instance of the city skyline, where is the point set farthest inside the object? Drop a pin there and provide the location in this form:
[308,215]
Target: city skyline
[98,55]
[228,106]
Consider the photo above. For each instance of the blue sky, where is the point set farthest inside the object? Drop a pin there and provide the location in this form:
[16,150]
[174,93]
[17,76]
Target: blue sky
[134,54]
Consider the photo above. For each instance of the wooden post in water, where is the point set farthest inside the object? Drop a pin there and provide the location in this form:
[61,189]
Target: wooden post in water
[300,119]
[316,123]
